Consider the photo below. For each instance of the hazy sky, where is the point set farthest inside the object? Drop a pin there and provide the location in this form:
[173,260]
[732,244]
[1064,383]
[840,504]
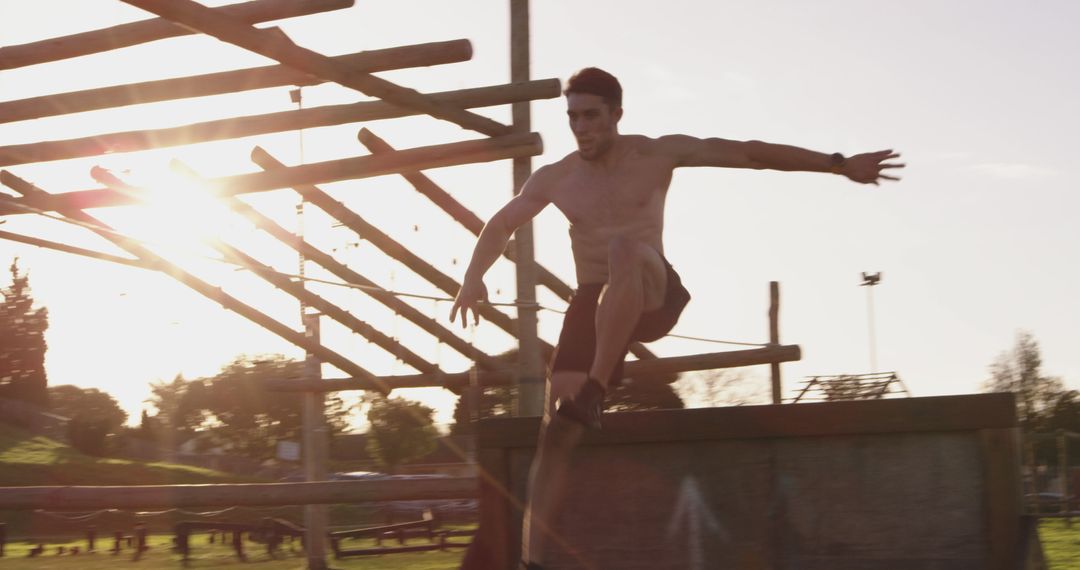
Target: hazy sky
[978,240]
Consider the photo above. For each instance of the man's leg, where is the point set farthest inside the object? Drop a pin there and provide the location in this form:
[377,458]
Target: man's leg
[547,477]
[637,281]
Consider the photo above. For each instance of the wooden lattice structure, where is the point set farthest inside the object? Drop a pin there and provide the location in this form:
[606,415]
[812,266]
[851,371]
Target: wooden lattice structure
[874,386]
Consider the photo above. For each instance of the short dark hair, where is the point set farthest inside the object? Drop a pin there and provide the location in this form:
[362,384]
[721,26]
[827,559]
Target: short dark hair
[596,81]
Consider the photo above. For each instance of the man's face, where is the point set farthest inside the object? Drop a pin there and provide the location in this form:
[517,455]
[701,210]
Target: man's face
[593,123]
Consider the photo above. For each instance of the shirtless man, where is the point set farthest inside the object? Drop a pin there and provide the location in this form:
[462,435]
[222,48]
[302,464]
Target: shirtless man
[612,190]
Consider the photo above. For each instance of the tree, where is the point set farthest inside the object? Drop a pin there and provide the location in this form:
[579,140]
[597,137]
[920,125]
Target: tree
[22,342]
[1019,371]
[93,416]
[722,387]
[239,413]
[401,430]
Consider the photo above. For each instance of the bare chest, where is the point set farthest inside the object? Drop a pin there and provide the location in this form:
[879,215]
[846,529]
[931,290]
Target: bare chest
[635,193]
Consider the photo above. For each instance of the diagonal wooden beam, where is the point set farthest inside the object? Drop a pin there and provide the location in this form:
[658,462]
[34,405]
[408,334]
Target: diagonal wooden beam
[134,33]
[370,288]
[226,81]
[276,46]
[297,290]
[474,224]
[47,244]
[236,127]
[206,289]
[385,243]
[435,156]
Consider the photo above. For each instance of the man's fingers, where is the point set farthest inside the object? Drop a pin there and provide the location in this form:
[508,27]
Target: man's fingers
[892,165]
[887,177]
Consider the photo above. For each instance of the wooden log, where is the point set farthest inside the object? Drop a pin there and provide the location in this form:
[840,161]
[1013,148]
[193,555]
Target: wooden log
[222,129]
[282,49]
[447,203]
[202,287]
[297,290]
[434,53]
[450,154]
[384,242]
[144,31]
[372,289]
[774,338]
[639,370]
[73,249]
[83,498]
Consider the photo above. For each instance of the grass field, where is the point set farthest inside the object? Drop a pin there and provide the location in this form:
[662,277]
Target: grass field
[1061,544]
[204,555]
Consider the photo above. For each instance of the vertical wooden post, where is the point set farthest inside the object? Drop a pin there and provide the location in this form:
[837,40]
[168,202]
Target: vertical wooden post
[314,425]
[530,381]
[774,336]
[1063,474]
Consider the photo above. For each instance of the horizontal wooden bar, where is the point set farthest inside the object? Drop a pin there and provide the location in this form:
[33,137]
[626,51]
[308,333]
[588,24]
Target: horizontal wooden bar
[143,31]
[227,81]
[241,495]
[47,244]
[853,417]
[435,156]
[251,125]
[279,47]
[637,369]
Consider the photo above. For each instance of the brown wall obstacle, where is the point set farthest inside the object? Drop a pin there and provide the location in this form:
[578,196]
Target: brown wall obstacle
[917,483]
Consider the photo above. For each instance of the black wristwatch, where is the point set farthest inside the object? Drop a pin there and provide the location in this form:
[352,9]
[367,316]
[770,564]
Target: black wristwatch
[836,162]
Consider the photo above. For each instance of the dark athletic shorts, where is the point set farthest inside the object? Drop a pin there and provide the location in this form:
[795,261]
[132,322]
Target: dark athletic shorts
[577,341]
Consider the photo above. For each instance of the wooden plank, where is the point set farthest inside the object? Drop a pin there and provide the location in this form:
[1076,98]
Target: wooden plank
[282,49]
[82,498]
[435,156]
[640,370]
[200,286]
[263,77]
[1004,496]
[251,125]
[143,31]
[447,203]
[391,247]
[903,415]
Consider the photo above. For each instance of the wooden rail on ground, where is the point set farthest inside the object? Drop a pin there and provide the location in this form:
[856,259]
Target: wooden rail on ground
[86,498]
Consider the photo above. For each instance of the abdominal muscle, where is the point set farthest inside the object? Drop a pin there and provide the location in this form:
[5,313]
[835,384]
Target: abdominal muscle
[591,247]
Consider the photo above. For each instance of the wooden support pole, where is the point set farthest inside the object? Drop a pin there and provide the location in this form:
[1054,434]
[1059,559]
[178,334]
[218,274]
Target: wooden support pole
[143,31]
[251,125]
[447,203]
[391,247]
[371,288]
[206,289]
[82,498]
[434,53]
[449,154]
[774,338]
[278,47]
[529,397]
[640,370]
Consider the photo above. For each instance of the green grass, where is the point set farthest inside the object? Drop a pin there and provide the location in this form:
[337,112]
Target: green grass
[204,555]
[1061,544]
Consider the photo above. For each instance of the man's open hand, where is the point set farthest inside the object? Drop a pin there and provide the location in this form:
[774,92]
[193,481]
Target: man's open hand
[470,296]
[867,168]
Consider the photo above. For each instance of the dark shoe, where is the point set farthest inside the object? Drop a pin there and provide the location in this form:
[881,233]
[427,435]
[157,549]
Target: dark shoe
[586,407]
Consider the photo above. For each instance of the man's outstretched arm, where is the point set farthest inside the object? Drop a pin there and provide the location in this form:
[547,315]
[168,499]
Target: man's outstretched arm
[493,241]
[866,168]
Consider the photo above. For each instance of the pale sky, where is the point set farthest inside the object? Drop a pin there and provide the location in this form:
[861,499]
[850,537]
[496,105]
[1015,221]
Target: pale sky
[976,242]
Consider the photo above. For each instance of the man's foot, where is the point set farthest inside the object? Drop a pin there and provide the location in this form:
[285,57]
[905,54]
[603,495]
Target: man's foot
[586,407]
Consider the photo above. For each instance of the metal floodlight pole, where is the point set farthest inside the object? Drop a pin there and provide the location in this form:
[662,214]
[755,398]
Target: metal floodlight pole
[869,280]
